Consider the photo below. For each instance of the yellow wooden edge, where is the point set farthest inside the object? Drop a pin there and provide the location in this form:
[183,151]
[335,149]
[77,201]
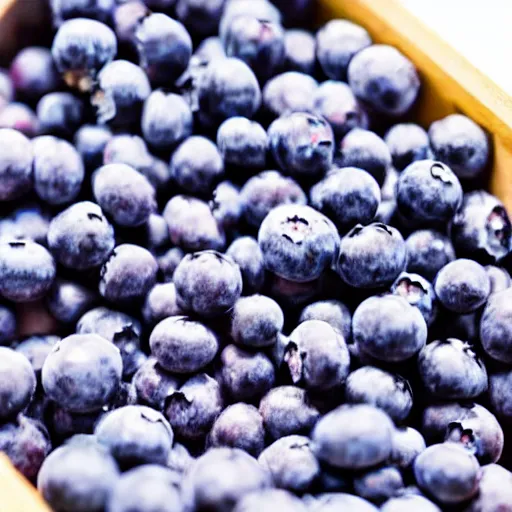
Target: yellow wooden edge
[5,5]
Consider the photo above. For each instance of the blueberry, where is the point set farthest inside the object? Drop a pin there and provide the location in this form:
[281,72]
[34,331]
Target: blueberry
[371,256]
[336,102]
[58,170]
[460,143]
[366,150]
[270,500]
[438,416]
[8,324]
[478,431]
[256,321]
[15,164]
[20,117]
[447,472]
[388,328]
[214,481]
[418,292]
[121,90]
[100,10]
[292,464]
[179,459]
[387,391]
[160,303]
[82,373]
[125,18]
[337,42]
[289,92]
[462,286]
[408,443]
[450,369]
[27,270]
[494,489]
[29,221]
[290,294]
[6,88]
[347,196]
[192,225]
[153,384]
[149,488]
[383,77]
[245,376]
[407,143]
[164,47]
[123,193]
[135,435]
[499,394]
[299,51]
[156,233]
[182,345]
[193,408]
[26,443]
[60,114]
[36,349]
[80,49]
[208,283]
[331,502]
[128,274]
[495,331]
[482,229]
[208,49]
[64,424]
[334,312]
[226,205]
[242,142]
[499,277]
[78,476]
[200,17]
[286,410]
[428,252]
[168,261]
[166,120]
[33,73]
[197,165]
[90,141]
[246,253]
[409,502]
[265,191]
[80,237]
[378,485]
[239,426]
[297,242]
[256,41]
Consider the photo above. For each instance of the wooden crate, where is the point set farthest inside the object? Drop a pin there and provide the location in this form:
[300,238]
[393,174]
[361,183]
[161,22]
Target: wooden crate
[450,83]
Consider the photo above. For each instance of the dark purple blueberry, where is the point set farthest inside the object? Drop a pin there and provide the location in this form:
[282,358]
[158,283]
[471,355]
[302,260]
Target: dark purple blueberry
[292,464]
[26,443]
[29,221]
[8,324]
[460,143]
[265,191]
[64,424]
[78,476]
[286,410]
[193,408]
[494,490]
[135,435]
[27,270]
[495,326]
[482,229]
[366,150]
[499,277]
[408,443]
[299,51]
[379,485]
[160,303]
[289,92]
[388,328]
[387,391]
[437,417]
[58,170]
[90,141]
[428,252]
[293,293]
[408,502]
[164,47]
[33,73]
[449,369]
[447,472]
[353,437]
[462,286]
[36,350]
[168,262]
[247,254]
[60,114]
[166,120]
[226,204]
[201,17]
[407,143]
[245,376]
[128,274]
[120,92]
[500,397]
[238,426]
[192,225]
[21,118]
[334,312]
[336,44]
[15,164]
[150,488]
[80,237]
[82,373]
[100,10]
[80,49]
[242,143]
[298,243]
[383,77]
[371,256]
[208,283]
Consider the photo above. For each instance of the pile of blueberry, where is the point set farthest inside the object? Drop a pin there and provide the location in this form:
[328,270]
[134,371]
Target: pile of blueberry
[263,288]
